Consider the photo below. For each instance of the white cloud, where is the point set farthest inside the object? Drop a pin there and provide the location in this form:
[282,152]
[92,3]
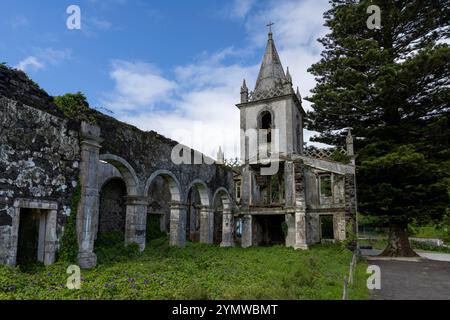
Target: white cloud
[197,107]
[138,85]
[30,63]
[42,58]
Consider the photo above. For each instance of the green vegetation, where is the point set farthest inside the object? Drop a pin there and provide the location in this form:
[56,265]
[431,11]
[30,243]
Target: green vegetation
[69,241]
[377,81]
[75,106]
[196,272]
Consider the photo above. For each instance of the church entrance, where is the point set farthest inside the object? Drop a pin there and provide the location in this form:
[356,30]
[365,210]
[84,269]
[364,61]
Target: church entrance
[326,227]
[30,246]
[268,230]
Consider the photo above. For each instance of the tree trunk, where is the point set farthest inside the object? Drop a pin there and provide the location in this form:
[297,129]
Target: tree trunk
[398,242]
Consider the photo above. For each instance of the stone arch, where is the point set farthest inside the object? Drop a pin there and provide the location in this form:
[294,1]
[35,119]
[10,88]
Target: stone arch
[225,197]
[127,172]
[177,211]
[203,190]
[222,218]
[199,219]
[112,206]
[261,114]
[171,179]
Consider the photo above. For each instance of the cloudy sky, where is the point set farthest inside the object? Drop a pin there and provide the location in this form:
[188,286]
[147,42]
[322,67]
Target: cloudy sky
[170,66]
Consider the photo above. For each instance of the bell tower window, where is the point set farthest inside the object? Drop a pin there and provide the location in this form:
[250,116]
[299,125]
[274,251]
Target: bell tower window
[266,123]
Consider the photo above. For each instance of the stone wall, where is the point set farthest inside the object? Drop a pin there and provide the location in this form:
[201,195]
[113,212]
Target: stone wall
[39,154]
[43,154]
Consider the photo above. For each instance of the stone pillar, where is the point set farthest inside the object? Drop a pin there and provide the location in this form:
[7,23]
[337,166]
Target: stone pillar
[246,186]
[88,206]
[206,225]
[136,221]
[50,238]
[227,229]
[289,182]
[290,237]
[247,231]
[177,224]
[300,230]
[339,226]
[300,223]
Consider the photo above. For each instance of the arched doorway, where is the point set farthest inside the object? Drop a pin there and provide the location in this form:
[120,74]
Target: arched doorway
[158,213]
[112,212]
[199,220]
[222,218]
[218,220]
[163,190]
[194,206]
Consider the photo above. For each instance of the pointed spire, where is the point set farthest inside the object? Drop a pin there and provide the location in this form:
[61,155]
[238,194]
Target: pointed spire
[288,76]
[244,92]
[271,74]
[220,156]
[299,96]
[349,142]
[244,87]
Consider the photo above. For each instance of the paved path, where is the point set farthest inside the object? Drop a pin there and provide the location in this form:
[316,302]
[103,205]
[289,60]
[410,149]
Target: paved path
[412,280]
[426,277]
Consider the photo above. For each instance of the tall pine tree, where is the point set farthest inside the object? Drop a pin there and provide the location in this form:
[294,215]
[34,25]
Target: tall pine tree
[392,86]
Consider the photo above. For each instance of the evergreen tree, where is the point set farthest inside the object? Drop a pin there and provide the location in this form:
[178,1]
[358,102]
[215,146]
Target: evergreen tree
[392,86]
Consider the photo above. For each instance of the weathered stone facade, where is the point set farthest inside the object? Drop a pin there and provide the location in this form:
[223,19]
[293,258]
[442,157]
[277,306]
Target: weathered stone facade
[313,199]
[43,155]
[39,159]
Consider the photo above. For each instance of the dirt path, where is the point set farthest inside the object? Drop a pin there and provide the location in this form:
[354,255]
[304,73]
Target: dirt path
[409,280]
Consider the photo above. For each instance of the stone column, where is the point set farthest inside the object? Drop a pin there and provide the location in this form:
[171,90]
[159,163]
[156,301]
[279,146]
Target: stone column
[300,223]
[289,183]
[136,221]
[177,224]
[206,225]
[246,187]
[88,206]
[50,238]
[300,230]
[227,229]
[247,230]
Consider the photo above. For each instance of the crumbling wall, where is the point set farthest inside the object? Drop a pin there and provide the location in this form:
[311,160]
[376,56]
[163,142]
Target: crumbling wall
[39,153]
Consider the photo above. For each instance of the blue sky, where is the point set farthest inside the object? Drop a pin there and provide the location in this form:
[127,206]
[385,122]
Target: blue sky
[170,66]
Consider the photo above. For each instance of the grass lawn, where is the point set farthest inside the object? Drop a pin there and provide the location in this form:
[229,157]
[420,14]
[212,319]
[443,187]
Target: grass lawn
[196,272]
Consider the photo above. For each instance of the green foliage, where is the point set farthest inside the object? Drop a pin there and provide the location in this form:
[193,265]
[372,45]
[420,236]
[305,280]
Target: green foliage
[340,157]
[69,241]
[392,86]
[429,246]
[351,237]
[110,247]
[411,187]
[75,106]
[198,271]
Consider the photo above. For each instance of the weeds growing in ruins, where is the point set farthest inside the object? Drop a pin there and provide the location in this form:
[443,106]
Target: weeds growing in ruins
[196,272]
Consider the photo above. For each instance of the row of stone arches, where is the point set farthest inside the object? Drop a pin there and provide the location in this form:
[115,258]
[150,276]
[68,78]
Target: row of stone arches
[193,214]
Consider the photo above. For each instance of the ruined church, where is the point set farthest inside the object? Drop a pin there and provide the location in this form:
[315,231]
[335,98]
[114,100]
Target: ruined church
[97,175]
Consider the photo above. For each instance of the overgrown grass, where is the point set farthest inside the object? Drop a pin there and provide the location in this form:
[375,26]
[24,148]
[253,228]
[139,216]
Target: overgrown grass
[196,272]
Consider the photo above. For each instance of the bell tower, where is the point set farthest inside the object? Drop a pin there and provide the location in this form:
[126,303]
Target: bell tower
[271,116]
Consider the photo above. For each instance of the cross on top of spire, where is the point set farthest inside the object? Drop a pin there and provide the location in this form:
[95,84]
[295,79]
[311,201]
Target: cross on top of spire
[270,24]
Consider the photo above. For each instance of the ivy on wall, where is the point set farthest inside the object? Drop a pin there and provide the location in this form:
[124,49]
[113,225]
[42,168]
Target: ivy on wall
[69,241]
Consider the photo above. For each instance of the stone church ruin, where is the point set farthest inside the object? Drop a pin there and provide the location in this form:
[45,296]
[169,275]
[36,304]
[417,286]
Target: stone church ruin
[126,178]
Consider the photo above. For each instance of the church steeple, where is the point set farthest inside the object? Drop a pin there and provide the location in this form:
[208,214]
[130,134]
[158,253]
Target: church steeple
[271,74]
